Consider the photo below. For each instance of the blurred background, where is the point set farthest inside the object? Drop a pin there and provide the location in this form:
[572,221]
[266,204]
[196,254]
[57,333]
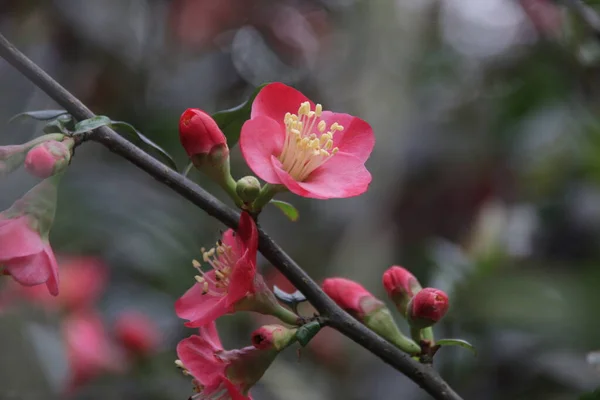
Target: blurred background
[486,184]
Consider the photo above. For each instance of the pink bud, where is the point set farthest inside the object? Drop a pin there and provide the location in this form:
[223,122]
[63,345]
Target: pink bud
[48,158]
[400,286]
[273,337]
[351,296]
[199,133]
[137,333]
[427,307]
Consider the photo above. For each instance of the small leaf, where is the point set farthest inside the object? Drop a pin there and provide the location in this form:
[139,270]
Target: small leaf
[306,332]
[230,121]
[456,342]
[42,115]
[289,298]
[59,125]
[287,209]
[90,124]
[162,152]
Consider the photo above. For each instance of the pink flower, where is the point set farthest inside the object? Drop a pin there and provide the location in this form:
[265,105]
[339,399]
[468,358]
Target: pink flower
[25,255]
[314,153]
[199,133]
[203,357]
[400,286]
[89,350]
[427,307]
[83,280]
[232,279]
[137,333]
[48,158]
[351,296]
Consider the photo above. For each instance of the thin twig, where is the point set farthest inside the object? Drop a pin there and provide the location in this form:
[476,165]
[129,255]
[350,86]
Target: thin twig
[423,375]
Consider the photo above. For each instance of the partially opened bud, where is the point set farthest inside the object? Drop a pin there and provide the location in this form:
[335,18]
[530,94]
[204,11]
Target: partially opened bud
[248,188]
[400,286]
[427,307]
[48,158]
[371,311]
[11,157]
[273,337]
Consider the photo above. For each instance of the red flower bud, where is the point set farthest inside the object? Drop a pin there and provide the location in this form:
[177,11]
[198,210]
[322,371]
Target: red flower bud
[351,296]
[199,133]
[427,307]
[48,158]
[400,286]
[273,337]
[137,333]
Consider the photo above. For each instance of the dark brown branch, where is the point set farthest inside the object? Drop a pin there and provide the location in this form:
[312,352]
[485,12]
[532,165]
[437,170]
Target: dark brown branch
[423,375]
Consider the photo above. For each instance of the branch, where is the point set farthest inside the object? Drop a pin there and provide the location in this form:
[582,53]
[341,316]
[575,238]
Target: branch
[425,376]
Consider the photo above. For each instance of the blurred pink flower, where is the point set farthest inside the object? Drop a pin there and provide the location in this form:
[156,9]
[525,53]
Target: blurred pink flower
[24,255]
[89,349]
[137,333]
[314,153]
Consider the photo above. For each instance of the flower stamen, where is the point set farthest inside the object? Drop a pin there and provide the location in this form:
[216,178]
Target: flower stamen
[304,150]
[221,258]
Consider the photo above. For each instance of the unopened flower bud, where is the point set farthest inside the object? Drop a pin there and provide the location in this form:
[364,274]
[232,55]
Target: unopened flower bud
[48,158]
[273,337]
[201,136]
[427,307]
[401,286]
[248,188]
[371,311]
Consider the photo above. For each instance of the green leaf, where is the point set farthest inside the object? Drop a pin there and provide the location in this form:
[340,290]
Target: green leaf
[289,298]
[90,124]
[162,152]
[41,115]
[59,125]
[230,121]
[456,342]
[288,209]
[306,332]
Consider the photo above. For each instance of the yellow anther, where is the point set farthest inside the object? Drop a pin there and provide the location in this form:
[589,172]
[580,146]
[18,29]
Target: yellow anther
[205,288]
[312,136]
[328,145]
[304,142]
[334,127]
[321,125]
[196,264]
[318,110]
[296,132]
[219,275]
[199,279]
[334,150]
[311,114]
[179,364]
[211,252]
[324,153]
[205,256]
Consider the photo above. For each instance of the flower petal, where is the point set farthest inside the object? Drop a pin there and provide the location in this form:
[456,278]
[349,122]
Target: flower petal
[241,280]
[199,309]
[17,239]
[261,138]
[198,357]
[276,99]
[30,270]
[211,335]
[357,138]
[343,175]
[53,282]
[247,234]
[234,391]
[286,180]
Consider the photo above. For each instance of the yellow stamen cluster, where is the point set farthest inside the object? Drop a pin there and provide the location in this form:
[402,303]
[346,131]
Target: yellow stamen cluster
[222,259]
[304,150]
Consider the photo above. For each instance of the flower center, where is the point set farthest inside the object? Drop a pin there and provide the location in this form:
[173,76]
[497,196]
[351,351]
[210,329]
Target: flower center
[222,259]
[307,146]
